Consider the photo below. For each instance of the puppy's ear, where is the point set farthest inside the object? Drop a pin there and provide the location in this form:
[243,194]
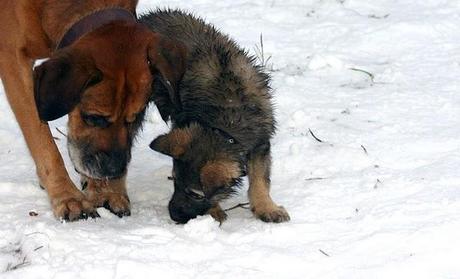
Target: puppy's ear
[60,82]
[174,144]
[168,58]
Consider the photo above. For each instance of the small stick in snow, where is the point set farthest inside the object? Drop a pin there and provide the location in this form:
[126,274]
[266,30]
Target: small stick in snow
[313,135]
[242,205]
[23,263]
[61,132]
[371,76]
[378,17]
[377,183]
[364,148]
[314,178]
[38,248]
[324,253]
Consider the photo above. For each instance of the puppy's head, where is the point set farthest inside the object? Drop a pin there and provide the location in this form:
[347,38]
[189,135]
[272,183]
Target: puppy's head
[103,81]
[208,166]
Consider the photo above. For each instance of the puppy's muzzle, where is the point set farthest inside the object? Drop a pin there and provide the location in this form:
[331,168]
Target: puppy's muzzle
[182,209]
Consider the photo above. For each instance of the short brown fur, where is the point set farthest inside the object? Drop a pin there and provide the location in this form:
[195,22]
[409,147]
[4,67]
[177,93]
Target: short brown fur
[115,54]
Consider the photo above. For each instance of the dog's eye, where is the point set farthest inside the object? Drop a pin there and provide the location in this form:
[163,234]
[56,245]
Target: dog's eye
[195,194]
[96,120]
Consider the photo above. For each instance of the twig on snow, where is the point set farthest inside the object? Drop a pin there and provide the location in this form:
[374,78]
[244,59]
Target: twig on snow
[61,132]
[23,263]
[324,253]
[38,248]
[364,148]
[313,135]
[377,183]
[314,178]
[371,76]
[242,205]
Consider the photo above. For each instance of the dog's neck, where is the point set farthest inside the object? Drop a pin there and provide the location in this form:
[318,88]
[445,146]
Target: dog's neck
[93,21]
[58,16]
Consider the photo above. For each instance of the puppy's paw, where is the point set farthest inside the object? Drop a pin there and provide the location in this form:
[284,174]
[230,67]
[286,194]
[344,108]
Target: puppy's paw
[72,207]
[218,214]
[271,213]
[118,204]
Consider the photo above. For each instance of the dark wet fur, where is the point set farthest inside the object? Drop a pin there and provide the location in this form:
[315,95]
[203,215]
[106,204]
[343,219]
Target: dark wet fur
[223,90]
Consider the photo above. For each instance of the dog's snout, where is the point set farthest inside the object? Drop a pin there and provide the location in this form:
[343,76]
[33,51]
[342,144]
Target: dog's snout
[112,164]
[102,164]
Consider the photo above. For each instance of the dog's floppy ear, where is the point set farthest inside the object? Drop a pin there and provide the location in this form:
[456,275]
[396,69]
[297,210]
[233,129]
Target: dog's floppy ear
[59,83]
[175,143]
[168,57]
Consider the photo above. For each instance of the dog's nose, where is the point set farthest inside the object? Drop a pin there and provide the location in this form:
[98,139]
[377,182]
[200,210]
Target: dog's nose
[110,164]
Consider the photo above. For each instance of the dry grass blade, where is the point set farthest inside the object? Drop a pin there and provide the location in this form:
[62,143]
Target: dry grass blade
[260,54]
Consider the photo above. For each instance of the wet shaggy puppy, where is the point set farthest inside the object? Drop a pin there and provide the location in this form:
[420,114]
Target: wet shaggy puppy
[222,122]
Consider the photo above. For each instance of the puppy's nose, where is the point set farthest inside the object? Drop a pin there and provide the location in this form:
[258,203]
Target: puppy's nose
[178,214]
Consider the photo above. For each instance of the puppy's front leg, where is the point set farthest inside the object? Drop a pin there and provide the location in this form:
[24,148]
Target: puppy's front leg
[217,213]
[262,205]
[110,194]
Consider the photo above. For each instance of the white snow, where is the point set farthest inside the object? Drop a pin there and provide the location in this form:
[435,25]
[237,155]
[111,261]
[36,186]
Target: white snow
[378,198]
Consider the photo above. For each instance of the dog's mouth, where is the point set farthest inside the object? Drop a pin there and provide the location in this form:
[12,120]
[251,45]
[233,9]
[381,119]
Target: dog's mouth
[98,164]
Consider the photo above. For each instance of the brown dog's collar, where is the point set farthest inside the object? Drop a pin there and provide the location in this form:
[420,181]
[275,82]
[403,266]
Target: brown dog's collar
[92,22]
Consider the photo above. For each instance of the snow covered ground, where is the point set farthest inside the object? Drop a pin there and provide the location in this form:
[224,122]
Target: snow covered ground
[378,198]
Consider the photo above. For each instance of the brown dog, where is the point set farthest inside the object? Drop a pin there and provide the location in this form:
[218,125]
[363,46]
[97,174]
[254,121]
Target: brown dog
[100,73]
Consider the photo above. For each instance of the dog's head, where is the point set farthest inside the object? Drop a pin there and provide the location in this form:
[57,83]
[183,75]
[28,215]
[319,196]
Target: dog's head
[103,81]
[208,165]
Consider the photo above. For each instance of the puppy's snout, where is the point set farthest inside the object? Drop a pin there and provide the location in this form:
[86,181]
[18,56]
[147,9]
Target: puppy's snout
[178,213]
[181,209]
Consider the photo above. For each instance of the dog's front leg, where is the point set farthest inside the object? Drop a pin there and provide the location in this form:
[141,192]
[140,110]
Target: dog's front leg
[110,194]
[67,201]
[262,205]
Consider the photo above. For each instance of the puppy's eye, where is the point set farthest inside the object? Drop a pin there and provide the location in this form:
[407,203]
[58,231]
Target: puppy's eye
[95,120]
[195,194]
[228,138]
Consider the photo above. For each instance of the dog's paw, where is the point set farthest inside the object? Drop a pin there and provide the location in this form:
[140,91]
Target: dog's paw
[218,214]
[72,207]
[110,194]
[271,214]
[118,204]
